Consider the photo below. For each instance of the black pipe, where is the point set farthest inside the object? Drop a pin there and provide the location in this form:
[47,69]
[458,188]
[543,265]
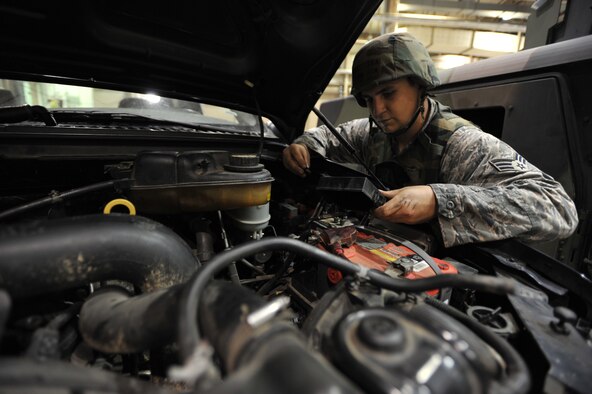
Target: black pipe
[189,335]
[271,358]
[25,375]
[224,310]
[112,321]
[49,256]
[517,379]
[27,112]
[5,306]
[60,197]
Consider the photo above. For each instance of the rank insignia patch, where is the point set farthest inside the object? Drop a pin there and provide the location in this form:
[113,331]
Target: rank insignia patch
[509,165]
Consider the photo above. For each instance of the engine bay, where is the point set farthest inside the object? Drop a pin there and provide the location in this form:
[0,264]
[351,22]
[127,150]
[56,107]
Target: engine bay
[212,271]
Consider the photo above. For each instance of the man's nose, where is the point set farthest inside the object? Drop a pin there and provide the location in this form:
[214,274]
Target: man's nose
[377,105]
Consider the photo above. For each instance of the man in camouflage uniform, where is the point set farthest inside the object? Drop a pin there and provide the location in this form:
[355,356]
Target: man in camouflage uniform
[444,169]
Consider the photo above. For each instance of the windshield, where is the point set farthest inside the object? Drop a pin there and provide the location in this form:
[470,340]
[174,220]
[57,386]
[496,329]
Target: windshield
[60,97]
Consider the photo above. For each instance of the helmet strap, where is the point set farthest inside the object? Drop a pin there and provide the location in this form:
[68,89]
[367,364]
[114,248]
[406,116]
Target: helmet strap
[420,110]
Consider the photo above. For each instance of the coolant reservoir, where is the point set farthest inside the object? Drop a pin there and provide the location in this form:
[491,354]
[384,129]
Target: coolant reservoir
[198,181]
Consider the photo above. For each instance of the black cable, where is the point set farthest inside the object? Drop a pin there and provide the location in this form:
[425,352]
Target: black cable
[259,117]
[517,379]
[59,197]
[189,335]
[280,272]
[418,251]
[349,148]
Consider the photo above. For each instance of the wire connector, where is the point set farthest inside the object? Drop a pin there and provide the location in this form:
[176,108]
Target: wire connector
[363,273]
[199,365]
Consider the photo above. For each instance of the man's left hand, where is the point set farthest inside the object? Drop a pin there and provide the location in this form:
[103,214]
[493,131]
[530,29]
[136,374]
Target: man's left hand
[409,205]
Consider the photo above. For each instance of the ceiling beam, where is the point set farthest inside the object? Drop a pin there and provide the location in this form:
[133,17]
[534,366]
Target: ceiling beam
[468,5]
[452,24]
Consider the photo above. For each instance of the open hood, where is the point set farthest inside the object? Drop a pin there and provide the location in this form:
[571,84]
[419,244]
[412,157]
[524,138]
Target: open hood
[288,50]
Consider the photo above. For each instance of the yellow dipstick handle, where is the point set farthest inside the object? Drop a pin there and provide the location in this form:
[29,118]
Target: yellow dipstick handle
[120,201]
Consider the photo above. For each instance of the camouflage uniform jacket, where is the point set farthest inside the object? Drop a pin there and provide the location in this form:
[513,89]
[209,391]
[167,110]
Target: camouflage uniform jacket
[485,191]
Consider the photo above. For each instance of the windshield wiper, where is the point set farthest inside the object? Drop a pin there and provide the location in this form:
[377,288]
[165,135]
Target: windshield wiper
[25,113]
[111,117]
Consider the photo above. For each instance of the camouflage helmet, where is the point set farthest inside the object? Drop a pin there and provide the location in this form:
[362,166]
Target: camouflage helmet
[389,57]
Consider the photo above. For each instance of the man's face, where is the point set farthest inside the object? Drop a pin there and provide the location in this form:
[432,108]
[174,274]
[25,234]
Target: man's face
[392,104]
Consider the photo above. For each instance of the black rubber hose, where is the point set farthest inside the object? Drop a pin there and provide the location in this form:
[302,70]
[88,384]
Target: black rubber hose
[112,321]
[55,255]
[189,335]
[26,375]
[517,379]
[59,197]
[27,112]
[5,306]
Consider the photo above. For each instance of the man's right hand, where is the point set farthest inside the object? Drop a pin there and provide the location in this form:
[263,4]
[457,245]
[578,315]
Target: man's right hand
[296,158]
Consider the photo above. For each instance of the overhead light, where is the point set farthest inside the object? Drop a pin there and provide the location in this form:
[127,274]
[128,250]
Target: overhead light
[445,62]
[424,16]
[495,42]
[152,98]
[506,16]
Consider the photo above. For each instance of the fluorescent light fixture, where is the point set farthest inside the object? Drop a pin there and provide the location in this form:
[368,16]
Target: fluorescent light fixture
[445,62]
[152,98]
[495,42]
[424,16]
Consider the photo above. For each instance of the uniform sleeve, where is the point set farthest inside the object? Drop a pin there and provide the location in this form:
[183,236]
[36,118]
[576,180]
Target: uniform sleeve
[323,142]
[491,193]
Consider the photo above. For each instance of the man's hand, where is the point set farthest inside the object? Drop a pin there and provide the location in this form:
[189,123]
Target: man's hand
[296,159]
[409,205]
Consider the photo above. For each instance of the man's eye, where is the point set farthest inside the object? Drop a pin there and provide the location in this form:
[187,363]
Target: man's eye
[388,93]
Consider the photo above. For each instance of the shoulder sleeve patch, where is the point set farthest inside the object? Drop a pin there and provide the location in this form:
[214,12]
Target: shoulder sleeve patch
[517,164]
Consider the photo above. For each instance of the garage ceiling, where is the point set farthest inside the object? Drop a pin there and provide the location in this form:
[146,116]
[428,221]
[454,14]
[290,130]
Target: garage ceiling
[455,32]
[449,27]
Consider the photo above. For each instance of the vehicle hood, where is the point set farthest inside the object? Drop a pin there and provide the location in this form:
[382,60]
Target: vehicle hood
[287,50]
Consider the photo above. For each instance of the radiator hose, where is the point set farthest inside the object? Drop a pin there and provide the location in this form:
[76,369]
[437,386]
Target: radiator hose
[51,256]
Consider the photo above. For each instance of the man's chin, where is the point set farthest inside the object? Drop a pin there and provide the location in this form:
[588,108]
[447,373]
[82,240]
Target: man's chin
[389,127]
[396,132]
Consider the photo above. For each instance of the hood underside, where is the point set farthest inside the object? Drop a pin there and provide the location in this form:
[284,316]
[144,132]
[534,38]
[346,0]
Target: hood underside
[288,50]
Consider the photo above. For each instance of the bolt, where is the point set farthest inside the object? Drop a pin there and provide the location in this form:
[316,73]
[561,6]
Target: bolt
[564,315]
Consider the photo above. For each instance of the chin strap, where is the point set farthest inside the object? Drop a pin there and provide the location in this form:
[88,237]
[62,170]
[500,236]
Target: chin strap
[420,109]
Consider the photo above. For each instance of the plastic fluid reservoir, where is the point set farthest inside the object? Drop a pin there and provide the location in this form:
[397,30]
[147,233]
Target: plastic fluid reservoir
[198,181]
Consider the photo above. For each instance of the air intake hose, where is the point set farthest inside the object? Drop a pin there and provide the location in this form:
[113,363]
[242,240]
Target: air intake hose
[56,255]
[113,321]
